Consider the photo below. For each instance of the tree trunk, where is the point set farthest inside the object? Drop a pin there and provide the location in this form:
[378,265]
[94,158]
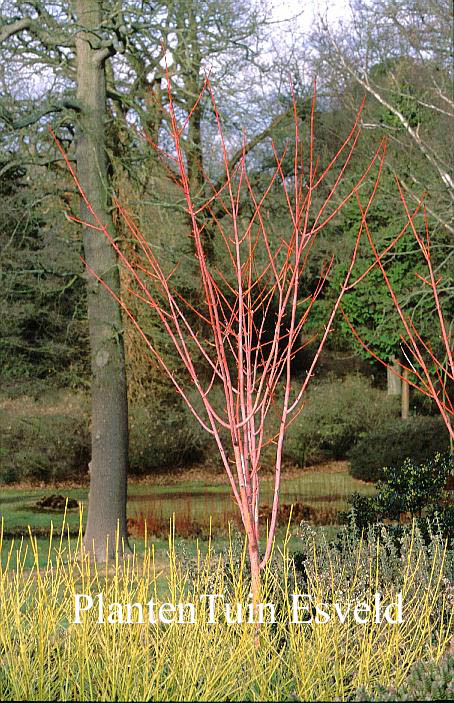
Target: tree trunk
[108,469]
[254,563]
[394,382]
[405,406]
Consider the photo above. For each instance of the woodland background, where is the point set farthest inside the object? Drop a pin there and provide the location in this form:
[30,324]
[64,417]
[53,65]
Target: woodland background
[398,54]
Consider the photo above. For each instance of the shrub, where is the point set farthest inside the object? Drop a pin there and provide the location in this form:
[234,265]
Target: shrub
[49,440]
[408,489]
[336,413]
[43,447]
[417,438]
[46,656]
[444,517]
[161,437]
[438,523]
[426,681]
[363,511]
[359,560]
[9,475]
[411,487]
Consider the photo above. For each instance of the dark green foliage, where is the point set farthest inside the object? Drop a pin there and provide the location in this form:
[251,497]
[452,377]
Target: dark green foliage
[43,328]
[363,511]
[444,516]
[426,681]
[409,98]
[163,437]
[9,475]
[368,305]
[43,447]
[417,438]
[336,413]
[50,442]
[411,487]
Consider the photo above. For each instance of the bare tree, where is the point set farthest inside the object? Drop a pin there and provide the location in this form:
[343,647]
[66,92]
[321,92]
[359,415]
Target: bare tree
[253,375]
[73,47]
[109,463]
[401,54]
[193,39]
[90,53]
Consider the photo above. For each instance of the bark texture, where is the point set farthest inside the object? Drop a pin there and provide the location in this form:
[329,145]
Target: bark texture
[109,463]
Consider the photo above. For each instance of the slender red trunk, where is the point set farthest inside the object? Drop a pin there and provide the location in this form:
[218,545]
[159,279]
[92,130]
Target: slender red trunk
[254,562]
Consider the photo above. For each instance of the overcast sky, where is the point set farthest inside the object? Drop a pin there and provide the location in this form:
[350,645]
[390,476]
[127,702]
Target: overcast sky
[285,9]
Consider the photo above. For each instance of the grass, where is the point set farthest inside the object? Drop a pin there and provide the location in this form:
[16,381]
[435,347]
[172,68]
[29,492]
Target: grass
[17,508]
[198,499]
[45,655]
[191,501]
[40,547]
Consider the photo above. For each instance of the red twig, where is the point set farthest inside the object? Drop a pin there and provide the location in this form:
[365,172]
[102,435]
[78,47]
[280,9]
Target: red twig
[424,378]
[255,375]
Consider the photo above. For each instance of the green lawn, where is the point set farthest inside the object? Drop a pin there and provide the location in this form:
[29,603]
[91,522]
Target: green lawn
[193,500]
[184,547]
[317,489]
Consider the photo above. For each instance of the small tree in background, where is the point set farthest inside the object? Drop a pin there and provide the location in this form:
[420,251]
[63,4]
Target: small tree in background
[227,330]
[429,365]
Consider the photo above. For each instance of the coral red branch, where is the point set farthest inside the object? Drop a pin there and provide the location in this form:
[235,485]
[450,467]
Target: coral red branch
[261,275]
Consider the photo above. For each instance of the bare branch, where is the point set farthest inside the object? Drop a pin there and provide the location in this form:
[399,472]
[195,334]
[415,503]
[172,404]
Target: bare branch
[234,308]
[425,149]
[47,109]
[49,38]
[12,28]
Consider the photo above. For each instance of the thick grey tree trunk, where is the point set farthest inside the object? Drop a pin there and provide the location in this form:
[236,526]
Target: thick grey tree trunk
[108,471]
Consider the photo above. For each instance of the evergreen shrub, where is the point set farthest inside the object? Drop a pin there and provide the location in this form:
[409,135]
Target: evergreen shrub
[390,443]
[411,487]
[336,414]
[43,447]
[408,490]
[426,681]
